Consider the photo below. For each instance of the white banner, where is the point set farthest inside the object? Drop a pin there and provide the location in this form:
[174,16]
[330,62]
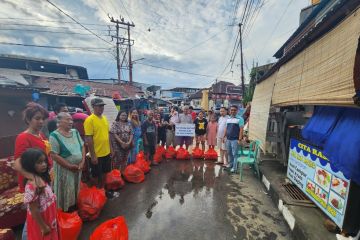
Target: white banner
[185,129]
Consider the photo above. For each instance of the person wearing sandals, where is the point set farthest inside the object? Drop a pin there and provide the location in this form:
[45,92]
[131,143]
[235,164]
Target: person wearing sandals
[220,136]
[68,153]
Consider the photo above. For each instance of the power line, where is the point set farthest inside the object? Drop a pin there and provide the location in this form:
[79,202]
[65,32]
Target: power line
[175,70]
[200,43]
[44,31]
[53,21]
[87,29]
[90,49]
[47,26]
[277,24]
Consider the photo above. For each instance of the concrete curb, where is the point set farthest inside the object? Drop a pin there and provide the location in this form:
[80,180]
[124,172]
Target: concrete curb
[296,230]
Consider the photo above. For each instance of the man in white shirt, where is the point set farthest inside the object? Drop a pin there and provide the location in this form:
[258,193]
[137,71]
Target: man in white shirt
[220,136]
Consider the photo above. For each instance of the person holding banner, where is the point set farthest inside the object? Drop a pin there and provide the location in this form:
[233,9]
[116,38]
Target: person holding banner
[185,118]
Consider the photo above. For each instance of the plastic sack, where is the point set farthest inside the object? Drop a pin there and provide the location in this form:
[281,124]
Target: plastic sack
[113,229]
[211,154]
[113,180]
[143,165]
[133,174]
[182,154]
[158,157]
[69,225]
[197,153]
[170,152]
[140,156]
[161,150]
[90,202]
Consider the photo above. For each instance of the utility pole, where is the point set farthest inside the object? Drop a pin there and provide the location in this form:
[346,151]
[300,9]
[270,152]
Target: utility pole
[122,41]
[242,61]
[130,62]
[117,53]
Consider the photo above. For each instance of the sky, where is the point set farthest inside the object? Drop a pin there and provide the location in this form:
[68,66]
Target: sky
[192,36]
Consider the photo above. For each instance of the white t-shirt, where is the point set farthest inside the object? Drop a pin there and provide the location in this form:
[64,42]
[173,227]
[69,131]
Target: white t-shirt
[222,126]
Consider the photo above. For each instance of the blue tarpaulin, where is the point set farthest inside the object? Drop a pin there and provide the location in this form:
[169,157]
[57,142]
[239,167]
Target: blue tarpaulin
[321,124]
[337,131]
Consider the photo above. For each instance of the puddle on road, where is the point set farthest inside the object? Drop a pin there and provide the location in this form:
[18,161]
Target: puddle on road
[187,201]
[190,182]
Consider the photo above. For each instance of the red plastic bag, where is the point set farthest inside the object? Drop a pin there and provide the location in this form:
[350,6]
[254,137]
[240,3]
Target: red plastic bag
[113,180]
[170,152]
[90,202]
[161,150]
[197,153]
[140,156]
[158,157]
[182,154]
[143,165]
[134,174]
[211,154]
[69,225]
[113,229]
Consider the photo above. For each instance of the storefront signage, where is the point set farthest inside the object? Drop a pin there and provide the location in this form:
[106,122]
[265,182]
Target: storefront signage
[312,172]
[185,130]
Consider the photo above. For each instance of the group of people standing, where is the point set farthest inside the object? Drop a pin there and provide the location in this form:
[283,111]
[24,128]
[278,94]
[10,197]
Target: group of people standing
[50,167]
[225,132]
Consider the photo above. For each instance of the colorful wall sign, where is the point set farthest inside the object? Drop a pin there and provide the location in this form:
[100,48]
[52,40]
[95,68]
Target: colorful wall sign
[312,172]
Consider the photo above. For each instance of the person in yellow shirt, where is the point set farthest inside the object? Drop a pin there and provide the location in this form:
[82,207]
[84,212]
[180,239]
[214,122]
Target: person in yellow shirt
[96,128]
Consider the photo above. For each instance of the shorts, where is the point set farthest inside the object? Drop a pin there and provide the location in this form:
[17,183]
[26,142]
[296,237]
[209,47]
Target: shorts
[220,144]
[200,138]
[103,166]
[183,140]
[170,137]
[150,149]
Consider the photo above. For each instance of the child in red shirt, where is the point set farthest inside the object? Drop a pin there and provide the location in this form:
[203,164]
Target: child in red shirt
[41,219]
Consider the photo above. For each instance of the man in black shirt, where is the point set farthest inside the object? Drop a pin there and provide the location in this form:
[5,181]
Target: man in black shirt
[149,134]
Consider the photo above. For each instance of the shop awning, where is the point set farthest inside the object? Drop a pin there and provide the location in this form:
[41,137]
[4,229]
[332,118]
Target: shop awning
[322,74]
[336,130]
[260,107]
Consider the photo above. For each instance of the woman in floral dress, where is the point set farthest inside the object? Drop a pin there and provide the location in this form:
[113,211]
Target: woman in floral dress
[136,125]
[121,136]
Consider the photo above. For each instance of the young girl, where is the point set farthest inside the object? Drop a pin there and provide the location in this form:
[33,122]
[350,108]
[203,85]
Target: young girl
[41,202]
[212,128]
[200,130]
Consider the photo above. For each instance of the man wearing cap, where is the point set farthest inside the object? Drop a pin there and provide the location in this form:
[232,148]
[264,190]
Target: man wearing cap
[96,128]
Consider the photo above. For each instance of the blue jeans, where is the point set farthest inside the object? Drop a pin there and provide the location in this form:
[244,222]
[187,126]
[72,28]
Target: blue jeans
[232,150]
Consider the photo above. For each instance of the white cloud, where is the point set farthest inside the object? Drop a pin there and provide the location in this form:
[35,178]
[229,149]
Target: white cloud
[175,26]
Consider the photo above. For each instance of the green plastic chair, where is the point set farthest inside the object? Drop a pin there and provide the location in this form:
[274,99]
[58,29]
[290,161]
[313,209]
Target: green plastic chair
[249,159]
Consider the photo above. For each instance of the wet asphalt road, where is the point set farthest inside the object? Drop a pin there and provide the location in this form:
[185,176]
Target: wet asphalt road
[194,200]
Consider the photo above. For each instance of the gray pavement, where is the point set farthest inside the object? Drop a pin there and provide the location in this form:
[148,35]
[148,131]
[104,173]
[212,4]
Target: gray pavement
[194,200]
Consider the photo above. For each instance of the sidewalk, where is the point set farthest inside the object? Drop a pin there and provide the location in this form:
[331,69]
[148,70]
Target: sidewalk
[304,222]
